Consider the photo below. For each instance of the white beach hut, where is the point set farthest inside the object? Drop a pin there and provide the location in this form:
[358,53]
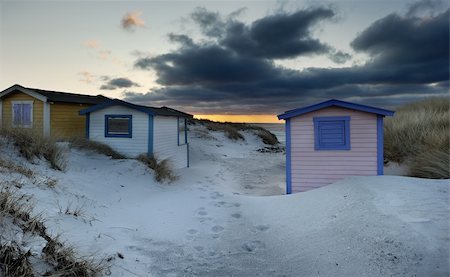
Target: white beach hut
[134,129]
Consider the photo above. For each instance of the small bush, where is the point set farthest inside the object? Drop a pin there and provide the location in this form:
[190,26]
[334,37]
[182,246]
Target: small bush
[98,147]
[31,145]
[162,169]
[12,167]
[419,135]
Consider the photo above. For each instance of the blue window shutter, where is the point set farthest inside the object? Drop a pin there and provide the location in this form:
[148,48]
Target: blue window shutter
[332,133]
[17,108]
[26,114]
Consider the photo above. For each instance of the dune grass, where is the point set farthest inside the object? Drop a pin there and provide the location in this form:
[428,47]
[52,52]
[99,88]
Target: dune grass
[232,130]
[97,147]
[419,136]
[162,168]
[15,260]
[33,145]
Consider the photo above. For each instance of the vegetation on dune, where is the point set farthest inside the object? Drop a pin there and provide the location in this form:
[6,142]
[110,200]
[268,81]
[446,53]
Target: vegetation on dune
[98,147]
[419,135]
[232,130]
[17,260]
[162,169]
[31,144]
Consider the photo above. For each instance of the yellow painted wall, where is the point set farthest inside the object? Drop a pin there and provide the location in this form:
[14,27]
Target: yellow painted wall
[65,121]
[38,110]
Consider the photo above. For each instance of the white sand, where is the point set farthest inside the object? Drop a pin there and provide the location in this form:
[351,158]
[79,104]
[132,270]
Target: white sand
[215,221]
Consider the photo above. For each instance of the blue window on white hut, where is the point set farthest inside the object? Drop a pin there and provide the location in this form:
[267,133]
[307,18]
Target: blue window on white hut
[118,126]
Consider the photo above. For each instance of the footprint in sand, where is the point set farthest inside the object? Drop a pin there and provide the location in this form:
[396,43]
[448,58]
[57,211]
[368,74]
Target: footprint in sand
[199,248]
[216,195]
[236,215]
[217,229]
[192,231]
[262,227]
[252,246]
[202,213]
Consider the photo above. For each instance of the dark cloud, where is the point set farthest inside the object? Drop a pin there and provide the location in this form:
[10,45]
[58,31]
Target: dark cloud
[117,83]
[408,58]
[207,65]
[277,36]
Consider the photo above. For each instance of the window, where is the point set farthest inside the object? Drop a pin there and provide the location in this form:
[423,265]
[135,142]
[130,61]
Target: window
[118,126]
[182,135]
[22,114]
[332,133]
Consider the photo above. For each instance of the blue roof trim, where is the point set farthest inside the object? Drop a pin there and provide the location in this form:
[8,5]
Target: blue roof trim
[338,103]
[114,102]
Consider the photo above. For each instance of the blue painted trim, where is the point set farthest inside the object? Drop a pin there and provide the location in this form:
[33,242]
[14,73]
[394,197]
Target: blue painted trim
[338,103]
[150,135]
[130,126]
[187,154]
[116,102]
[185,131]
[88,119]
[380,145]
[338,121]
[288,158]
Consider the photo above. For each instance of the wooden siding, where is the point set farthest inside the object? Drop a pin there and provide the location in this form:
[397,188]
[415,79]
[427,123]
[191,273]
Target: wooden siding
[165,144]
[315,168]
[38,110]
[130,147]
[65,121]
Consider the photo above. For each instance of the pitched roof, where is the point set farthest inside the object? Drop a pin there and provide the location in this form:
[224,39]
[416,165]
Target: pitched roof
[56,96]
[150,110]
[337,103]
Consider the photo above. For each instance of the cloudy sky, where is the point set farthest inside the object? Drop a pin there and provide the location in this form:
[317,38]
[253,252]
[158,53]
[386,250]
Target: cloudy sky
[229,57]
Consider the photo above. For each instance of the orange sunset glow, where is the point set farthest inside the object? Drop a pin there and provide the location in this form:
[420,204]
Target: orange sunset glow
[239,118]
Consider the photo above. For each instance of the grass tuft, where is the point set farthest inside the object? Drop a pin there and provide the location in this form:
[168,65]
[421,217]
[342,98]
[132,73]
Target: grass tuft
[162,169]
[98,147]
[33,145]
[419,135]
[12,167]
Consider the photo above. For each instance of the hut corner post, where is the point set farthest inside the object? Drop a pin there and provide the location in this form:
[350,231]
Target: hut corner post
[380,145]
[288,157]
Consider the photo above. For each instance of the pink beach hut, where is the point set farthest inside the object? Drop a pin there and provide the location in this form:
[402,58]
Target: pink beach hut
[331,140]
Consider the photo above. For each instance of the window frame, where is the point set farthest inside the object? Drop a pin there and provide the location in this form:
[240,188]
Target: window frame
[345,120]
[22,102]
[185,131]
[130,126]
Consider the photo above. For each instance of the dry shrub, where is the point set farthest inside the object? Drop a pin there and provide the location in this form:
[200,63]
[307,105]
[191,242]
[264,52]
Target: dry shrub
[98,147]
[61,259]
[31,144]
[12,167]
[419,135]
[13,262]
[162,169]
